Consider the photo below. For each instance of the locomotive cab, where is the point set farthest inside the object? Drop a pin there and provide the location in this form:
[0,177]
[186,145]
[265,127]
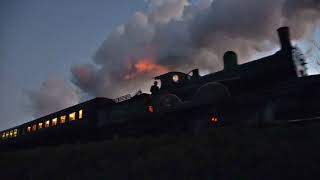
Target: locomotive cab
[174,79]
[176,89]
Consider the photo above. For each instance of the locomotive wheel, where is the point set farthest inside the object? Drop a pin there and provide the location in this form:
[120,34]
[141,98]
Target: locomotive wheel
[166,101]
[211,92]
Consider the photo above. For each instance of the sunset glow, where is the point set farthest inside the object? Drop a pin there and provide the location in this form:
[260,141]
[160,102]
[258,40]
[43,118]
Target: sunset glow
[145,65]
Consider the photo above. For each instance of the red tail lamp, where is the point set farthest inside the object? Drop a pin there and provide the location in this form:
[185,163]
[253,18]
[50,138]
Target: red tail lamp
[150,109]
[214,120]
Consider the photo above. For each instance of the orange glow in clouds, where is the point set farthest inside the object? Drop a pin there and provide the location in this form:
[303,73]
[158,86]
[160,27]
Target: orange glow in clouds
[144,66]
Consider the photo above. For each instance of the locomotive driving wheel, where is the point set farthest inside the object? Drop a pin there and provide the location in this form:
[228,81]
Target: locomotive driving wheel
[212,92]
[166,101]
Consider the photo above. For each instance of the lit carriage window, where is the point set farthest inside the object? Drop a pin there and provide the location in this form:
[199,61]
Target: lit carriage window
[72,116]
[11,133]
[47,124]
[40,125]
[15,133]
[54,121]
[34,127]
[29,129]
[7,134]
[4,135]
[80,114]
[62,119]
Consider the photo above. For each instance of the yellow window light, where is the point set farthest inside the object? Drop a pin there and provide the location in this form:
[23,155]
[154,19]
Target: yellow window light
[11,133]
[54,121]
[7,134]
[4,135]
[40,125]
[47,124]
[29,129]
[62,119]
[15,132]
[72,116]
[80,114]
[34,127]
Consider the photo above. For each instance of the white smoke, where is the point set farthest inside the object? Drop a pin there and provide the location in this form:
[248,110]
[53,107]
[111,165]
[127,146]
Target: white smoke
[53,95]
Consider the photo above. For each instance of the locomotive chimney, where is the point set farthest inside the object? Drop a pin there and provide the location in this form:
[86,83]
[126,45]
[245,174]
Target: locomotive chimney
[230,60]
[284,36]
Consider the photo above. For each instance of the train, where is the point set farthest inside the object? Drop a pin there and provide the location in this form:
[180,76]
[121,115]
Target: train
[273,90]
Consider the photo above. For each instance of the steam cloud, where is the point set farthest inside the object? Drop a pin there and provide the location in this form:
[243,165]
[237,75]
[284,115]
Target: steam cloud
[53,95]
[178,35]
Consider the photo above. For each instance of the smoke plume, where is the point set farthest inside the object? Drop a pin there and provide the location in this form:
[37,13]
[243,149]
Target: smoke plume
[180,35]
[53,95]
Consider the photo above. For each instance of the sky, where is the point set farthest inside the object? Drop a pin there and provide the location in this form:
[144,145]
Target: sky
[44,39]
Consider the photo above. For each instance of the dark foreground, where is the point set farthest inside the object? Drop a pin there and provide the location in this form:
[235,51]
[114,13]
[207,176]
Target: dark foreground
[224,153]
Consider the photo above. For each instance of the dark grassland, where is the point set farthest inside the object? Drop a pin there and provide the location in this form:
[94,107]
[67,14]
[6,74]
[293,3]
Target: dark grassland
[223,153]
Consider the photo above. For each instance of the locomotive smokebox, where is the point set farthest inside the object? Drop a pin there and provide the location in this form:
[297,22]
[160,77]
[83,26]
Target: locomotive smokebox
[284,36]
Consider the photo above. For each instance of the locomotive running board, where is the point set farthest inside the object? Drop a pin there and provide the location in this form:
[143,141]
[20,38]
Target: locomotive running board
[304,120]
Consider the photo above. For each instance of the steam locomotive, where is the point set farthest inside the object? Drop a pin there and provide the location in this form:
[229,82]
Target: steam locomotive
[269,91]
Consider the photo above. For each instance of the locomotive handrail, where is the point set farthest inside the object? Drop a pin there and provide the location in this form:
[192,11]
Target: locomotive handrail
[122,98]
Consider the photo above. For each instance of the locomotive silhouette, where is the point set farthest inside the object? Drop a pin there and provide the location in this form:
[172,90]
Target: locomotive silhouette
[273,90]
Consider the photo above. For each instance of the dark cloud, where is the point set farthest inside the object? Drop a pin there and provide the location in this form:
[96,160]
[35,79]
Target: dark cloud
[303,15]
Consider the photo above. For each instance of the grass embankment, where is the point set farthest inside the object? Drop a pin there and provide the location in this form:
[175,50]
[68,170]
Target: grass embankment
[225,153]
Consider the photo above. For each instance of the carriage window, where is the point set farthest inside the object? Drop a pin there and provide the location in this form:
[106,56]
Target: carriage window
[72,116]
[54,121]
[4,135]
[7,134]
[80,114]
[11,133]
[29,129]
[34,127]
[47,124]
[62,119]
[40,125]
[15,133]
